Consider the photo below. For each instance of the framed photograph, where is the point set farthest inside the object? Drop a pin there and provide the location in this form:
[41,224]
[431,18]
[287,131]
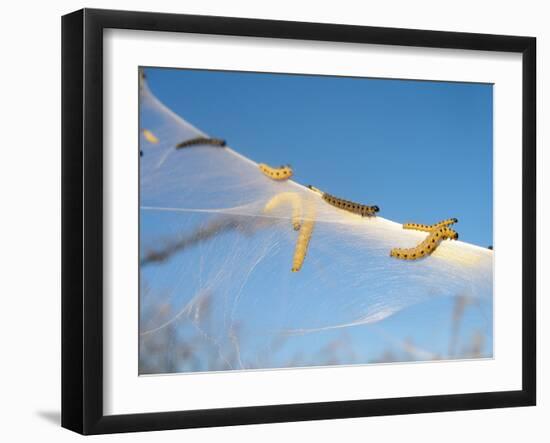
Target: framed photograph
[269,221]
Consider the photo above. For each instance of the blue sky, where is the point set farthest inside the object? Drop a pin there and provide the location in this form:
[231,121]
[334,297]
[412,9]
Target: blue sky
[420,150]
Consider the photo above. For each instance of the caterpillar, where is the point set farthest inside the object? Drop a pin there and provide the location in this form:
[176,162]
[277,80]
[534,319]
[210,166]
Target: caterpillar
[304,237]
[150,137]
[430,228]
[281,173]
[428,246]
[317,190]
[285,198]
[201,141]
[346,205]
[142,78]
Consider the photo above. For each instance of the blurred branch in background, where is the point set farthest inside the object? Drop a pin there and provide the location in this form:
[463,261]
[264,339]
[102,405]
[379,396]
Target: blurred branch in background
[226,223]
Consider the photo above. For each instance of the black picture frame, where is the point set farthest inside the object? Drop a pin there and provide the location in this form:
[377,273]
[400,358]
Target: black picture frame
[82,220]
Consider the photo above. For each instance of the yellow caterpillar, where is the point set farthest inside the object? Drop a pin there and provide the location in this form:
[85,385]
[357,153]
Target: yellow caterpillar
[281,173]
[302,243]
[291,198]
[150,137]
[346,205]
[430,228]
[428,246]
[201,141]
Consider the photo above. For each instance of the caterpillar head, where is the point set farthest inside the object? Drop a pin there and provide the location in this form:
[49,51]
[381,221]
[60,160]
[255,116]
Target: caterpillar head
[451,234]
[314,189]
[375,208]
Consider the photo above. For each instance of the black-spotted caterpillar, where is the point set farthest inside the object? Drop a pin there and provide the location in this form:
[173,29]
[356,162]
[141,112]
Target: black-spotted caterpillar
[201,141]
[346,205]
[437,233]
[291,198]
[430,228]
[281,173]
[142,78]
